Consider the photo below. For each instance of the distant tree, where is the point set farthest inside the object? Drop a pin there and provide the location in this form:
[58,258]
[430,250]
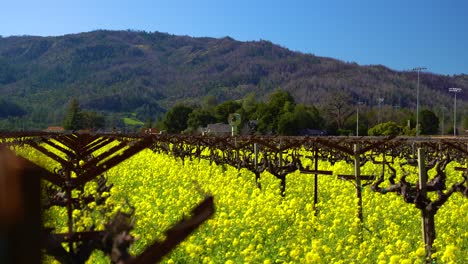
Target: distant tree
[73,116]
[267,118]
[148,111]
[148,123]
[385,129]
[223,110]
[338,108]
[7,73]
[465,122]
[175,120]
[200,117]
[288,124]
[280,103]
[249,103]
[308,117]
[92,120]
[10,109]
[279,99]
[209,102]
[303,117]
[429,122]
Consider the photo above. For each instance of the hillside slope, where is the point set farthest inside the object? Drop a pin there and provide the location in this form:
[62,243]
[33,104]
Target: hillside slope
[147,73]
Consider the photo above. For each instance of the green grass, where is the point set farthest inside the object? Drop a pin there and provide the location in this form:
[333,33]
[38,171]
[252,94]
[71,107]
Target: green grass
[132,122]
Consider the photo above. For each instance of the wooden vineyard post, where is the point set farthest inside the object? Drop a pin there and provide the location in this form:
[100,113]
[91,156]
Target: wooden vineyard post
[316,173]
[257,173]
[422,188]
[280,164]
[256,156]
[69,206]
[315,181]
[357,174]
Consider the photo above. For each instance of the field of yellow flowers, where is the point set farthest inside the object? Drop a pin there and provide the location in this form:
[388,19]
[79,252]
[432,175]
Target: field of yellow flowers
[253,225]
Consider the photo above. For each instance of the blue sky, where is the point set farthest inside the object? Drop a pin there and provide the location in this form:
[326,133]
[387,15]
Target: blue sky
[400,34]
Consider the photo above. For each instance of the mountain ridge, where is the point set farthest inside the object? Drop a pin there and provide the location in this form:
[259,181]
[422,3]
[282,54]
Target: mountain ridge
[147,73]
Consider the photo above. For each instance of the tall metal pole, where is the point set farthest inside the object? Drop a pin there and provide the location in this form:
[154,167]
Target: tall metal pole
[455,115]
[455,91]
[418,69]
[357,119]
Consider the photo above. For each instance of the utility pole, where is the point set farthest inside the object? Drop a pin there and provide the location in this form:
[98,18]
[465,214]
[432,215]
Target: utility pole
[357,119]
[418,69]
[455,91]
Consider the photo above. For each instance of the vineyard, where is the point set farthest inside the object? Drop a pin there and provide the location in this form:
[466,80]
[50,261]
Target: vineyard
[193,199]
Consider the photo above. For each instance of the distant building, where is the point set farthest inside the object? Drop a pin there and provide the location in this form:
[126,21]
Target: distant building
[151,131]
[55,129]
[312,132]
[218,129]
[250,128]
[221,129]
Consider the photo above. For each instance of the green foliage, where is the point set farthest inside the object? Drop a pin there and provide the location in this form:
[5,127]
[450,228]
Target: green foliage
[10,109]
[386,129]
[267,118]
[7,73]
[223,110]
[303,117]
[200,118]
[280,102]
[249,102]
[288,124]
[175,120]
[76,118]
[308,117]
[132,121]
[209,102]
[429,122]
[73,116]
[465,122]
[93,120]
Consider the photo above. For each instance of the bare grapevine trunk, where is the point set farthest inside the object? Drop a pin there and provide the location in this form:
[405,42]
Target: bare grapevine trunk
[429,230]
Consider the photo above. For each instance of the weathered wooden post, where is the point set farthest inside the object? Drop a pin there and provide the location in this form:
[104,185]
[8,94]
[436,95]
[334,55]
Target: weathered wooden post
[316,173]
[20,214]
[256,156]
[357,174]
[315,180]
[257,173]
[68,194]
[422,188]
[280,165]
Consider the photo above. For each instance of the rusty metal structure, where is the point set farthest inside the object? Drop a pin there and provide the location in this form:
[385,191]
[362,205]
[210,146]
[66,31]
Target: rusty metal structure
[279,156]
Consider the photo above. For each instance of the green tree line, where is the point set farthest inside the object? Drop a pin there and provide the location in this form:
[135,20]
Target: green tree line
[281,115]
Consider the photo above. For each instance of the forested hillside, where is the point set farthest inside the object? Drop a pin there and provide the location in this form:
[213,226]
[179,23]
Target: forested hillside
[142,75]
